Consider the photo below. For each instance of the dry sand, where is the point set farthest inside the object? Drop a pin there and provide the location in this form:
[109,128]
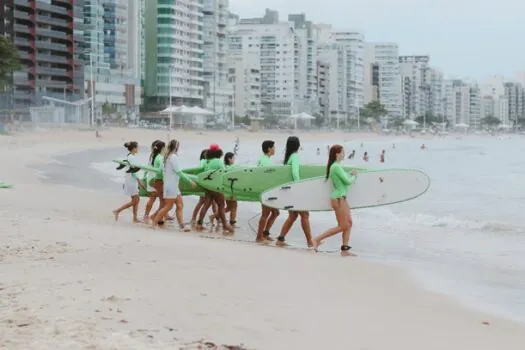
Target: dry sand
[72,278]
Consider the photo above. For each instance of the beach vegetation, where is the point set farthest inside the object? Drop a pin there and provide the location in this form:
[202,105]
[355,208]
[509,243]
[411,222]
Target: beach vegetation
[374,110]
[9,61]
[108,109]
[490,121]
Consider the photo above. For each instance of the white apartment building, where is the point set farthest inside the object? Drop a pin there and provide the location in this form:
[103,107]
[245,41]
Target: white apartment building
[463,103]
[515,94]
[414,87]
[115,51]
[353,42]
[217,91]
[434,79]
[323,88]
[245,75]
[495,107]
[382,76]
[274,44]
[332,61]
[174,54]
[305,64]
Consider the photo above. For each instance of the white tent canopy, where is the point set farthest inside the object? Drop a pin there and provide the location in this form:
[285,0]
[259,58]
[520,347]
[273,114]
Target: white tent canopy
[410,122]
[302,116]
[461,125]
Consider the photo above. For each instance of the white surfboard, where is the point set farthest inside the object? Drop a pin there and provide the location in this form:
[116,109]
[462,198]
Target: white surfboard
[372,188]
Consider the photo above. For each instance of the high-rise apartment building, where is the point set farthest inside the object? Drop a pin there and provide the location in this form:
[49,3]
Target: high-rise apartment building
[463,103]
[382,76]
[414,86]
[353,42]
[332,61]
[217,89]
[113,49]
[174,53]
[275,46]
[245,76]
[47,39]
[515,94]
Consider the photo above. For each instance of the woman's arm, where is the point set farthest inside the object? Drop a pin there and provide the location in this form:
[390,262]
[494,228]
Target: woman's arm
[176,168]
[295,168]
[343,176]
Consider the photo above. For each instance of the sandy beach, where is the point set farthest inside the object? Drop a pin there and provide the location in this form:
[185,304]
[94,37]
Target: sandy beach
[73,278]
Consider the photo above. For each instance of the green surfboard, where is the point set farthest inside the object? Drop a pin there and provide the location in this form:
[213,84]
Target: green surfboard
[248,183]
[4,185]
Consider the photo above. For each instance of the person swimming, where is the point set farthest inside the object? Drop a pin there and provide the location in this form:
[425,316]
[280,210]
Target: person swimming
[365,157]
[291,158]
[268,215]
[340,183]
[131,184]
[352,155]
[382,157]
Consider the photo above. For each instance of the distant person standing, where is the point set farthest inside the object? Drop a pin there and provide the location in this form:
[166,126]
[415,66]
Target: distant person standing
[382,157]
[393,146]
[423,147]
[365,157]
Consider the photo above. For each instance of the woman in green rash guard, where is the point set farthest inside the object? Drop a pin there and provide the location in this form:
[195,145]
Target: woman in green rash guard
[157,184]
[202,165]
[172,196]
[213,155]
[340,182]
[291,158]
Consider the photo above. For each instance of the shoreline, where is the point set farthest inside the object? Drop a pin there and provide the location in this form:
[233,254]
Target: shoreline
[68,259]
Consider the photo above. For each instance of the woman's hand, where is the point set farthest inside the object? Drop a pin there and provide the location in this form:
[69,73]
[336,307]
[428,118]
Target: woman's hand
[193,184]
[354,173]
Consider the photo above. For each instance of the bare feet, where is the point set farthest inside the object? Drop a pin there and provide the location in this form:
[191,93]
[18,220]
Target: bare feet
[261,240]
[228,228]
[137,221]
[199,228]
[280,243]
[116,213]
[146,220]
[347,253]
[311,244]
[315,244]
[184,228]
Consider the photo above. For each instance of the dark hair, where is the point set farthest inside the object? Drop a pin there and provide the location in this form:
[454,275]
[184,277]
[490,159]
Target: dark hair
[131,145]
[334,151]
[228,158]
[203,154]
[156,148]
[292,146]
[266,145]
[215,154]
[173,147]
[366,153]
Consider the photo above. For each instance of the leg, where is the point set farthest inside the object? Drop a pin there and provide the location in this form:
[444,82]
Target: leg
[305,224]
[179,210]
[158,185]
[274,214]
[168,205]
[219,199]
[231,207]
[342,222]
[292,216]
[197,209]
[263,222]
[208,199]
[117,212]
[149,205]
[135,200]
[345,248]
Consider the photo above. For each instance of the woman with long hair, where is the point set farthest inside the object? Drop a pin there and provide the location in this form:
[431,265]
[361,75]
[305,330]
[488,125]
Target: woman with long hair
[291,158]
[131,184]
[172,196]
[157,184]
[231,202]
[340,182]
[213,155]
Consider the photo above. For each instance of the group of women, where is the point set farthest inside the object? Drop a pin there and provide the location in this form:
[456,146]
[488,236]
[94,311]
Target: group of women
[164,187]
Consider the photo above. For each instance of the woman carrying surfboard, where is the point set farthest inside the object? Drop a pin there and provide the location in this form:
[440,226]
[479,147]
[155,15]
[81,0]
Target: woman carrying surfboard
[202,165]
[213,156]
[157,184]
[340,182]
[131,184]
[172,197]
[291,158]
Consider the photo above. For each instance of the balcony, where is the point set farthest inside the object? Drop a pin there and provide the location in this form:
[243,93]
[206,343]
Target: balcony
[51,46]
[22,3]
[21,15]
[22,42]
[52,71]
[52,83]
[52,21]
[24,55]
[21,28]
[52,8]
[52,59]
[52,33]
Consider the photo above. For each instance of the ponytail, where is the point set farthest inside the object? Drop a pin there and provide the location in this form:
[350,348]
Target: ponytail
[156,147]
[173,147]
[332,156]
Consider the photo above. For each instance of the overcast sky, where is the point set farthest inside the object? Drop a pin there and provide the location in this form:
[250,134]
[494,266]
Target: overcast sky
[465,38]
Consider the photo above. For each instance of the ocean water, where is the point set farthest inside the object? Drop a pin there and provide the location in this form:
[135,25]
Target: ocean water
[465,237]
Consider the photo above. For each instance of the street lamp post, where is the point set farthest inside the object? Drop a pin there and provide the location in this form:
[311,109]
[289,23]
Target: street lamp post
[233,109]
[92,88]
[170,103]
